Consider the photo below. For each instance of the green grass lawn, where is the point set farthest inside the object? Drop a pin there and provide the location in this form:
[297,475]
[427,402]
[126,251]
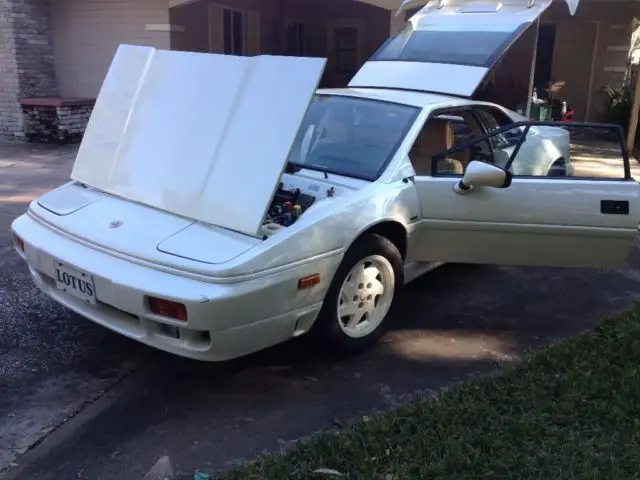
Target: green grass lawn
[570,412]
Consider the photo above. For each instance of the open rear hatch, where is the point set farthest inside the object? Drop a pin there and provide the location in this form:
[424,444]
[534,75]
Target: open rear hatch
[450,46]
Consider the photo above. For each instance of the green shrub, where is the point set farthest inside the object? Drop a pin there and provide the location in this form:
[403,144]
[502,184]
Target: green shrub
[619,102]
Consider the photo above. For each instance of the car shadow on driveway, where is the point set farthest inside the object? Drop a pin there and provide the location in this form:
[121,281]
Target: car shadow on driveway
[455,322]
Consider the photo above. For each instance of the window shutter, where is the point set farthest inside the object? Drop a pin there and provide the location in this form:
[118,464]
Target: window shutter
[216,30]
[253,33]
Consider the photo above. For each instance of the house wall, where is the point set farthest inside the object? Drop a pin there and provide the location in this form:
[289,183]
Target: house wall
[86,34]
[372,22]
[52,48]
[26,61]
[598,28]
[196,22]
[202,21]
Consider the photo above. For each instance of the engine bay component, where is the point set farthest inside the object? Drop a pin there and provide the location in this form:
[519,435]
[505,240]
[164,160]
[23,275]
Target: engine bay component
[287,206]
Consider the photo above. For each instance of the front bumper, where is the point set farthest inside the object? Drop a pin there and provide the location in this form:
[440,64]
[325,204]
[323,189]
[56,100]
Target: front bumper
[225,321]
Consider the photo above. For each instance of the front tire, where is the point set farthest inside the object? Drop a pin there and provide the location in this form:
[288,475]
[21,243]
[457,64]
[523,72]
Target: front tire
[361,296]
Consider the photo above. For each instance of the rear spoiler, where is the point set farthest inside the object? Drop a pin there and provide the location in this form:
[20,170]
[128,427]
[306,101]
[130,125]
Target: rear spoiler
[572,4]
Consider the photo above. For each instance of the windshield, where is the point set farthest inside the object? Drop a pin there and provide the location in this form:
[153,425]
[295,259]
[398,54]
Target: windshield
[480,48]
[349,136]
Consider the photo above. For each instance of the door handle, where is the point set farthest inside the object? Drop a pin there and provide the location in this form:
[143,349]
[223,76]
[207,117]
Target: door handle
[614,207]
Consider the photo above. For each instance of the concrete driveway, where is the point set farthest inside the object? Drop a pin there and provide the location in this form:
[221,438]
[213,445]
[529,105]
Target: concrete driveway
[56,367]
[51,363]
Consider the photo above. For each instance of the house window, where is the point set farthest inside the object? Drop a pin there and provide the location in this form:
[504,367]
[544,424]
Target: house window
[296,39]
[234,32]
[346,49]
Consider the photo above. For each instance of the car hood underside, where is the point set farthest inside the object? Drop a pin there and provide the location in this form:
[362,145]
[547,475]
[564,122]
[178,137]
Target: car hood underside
[199,135]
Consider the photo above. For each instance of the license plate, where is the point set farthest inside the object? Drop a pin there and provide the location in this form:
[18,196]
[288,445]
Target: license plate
[74,282]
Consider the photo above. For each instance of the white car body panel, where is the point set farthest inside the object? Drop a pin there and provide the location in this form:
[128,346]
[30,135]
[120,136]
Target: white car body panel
[225,321]
[446,76]
[140,230]
[326,229]
[527,223]
[241,293]
[169,129]
[543,147]
[571,4]
[431,77]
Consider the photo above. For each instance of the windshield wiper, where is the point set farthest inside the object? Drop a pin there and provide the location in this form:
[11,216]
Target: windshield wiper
[292,168]
[296,167]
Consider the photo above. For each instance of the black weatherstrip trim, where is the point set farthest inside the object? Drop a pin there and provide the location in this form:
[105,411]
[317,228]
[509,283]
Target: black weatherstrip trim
[527,126]
[399,89]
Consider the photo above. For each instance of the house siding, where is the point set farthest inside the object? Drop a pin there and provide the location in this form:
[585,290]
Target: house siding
[200,20]
[64,47]
[88,32]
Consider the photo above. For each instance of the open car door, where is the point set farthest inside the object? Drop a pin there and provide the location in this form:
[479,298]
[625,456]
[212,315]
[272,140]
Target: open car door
[450,46]
[584,216]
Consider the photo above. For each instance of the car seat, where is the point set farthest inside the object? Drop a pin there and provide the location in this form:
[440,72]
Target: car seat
[436,136]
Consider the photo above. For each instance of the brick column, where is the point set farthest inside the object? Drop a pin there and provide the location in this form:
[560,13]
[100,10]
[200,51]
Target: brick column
[27,68]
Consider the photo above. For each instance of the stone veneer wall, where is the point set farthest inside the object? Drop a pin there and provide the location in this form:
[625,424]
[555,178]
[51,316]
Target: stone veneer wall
[27,67]
[55,120]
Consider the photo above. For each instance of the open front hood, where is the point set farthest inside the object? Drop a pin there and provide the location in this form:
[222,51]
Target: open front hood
[450,46]
[199,135]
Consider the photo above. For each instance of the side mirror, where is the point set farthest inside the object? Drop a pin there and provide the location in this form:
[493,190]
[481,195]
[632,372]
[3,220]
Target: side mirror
[480,174]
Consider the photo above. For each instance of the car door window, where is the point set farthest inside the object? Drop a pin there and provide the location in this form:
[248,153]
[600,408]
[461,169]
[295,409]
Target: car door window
[557,150]
[443,132]
[502,144]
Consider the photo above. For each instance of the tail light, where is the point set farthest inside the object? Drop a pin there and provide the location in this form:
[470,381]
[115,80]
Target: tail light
[19,242]
[168,308]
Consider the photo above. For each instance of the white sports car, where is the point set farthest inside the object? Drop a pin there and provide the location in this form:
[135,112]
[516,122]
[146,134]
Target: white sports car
[220,205]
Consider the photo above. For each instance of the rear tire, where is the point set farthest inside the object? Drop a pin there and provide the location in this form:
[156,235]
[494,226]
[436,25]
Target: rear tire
[361,297]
